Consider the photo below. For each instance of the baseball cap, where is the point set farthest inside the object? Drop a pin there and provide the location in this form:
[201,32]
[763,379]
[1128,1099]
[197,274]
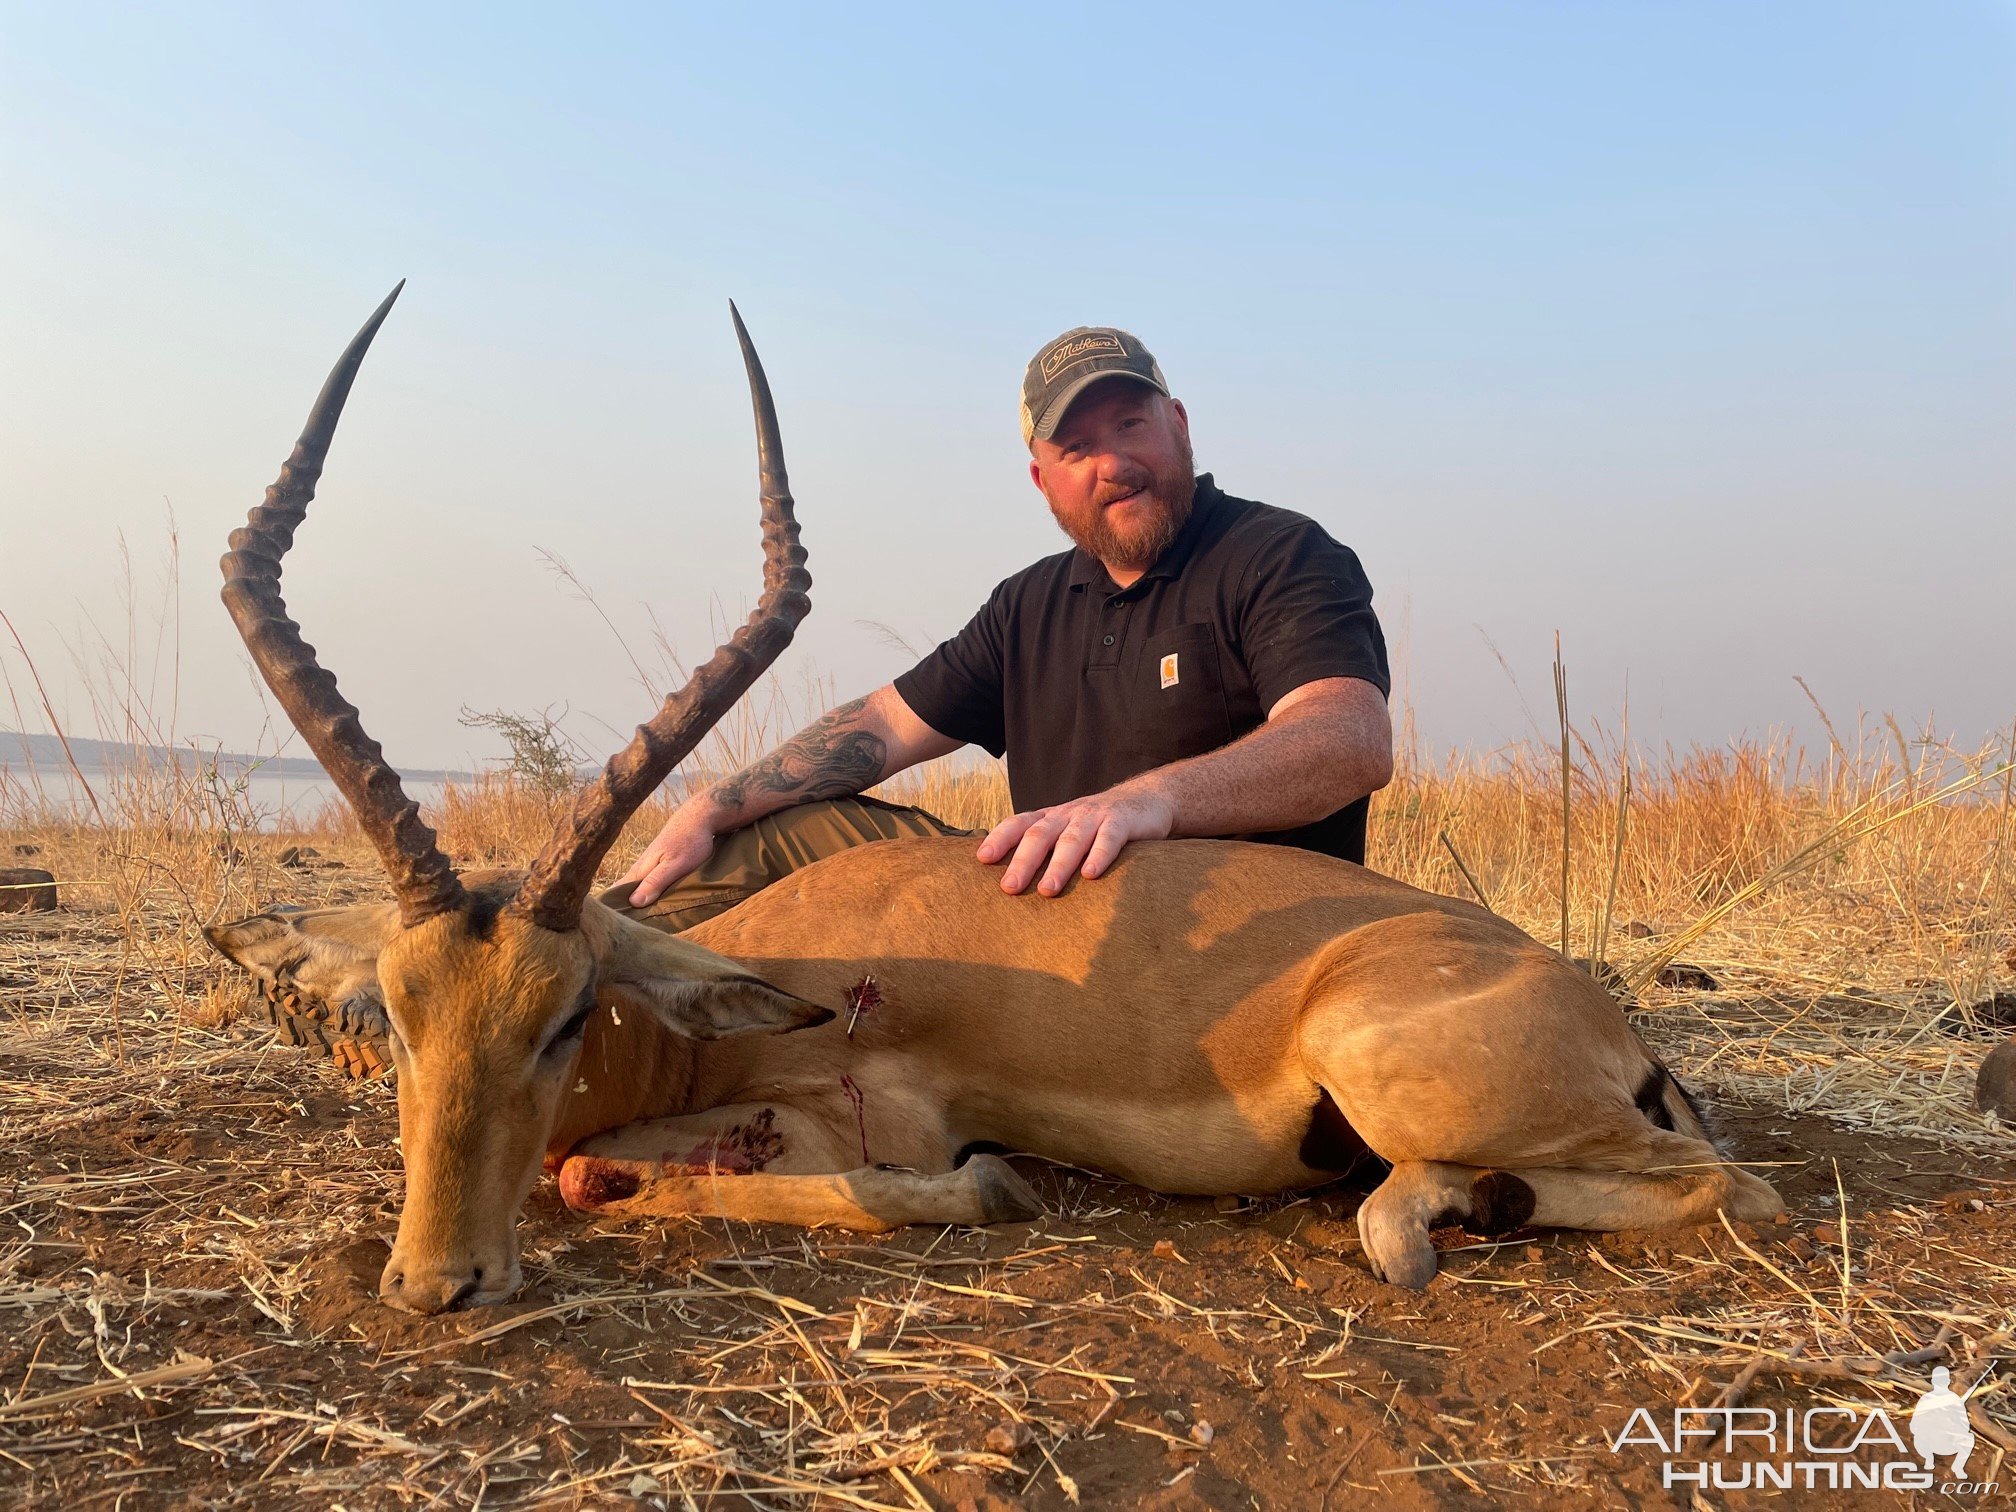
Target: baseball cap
[1064,368]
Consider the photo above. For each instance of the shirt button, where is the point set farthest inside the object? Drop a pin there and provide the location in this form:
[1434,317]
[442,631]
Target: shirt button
[1109,640]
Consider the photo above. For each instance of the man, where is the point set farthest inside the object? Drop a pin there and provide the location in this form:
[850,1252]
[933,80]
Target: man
[1198,665]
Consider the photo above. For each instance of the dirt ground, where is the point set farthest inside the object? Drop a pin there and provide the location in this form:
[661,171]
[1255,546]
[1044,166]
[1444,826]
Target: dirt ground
[195,1219]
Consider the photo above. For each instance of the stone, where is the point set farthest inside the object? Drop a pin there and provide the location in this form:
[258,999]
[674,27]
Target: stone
[1008,1438]
[1685,978]
[26,889]
[300,856]
[1996,1011]
[25,849]
[1995,1087]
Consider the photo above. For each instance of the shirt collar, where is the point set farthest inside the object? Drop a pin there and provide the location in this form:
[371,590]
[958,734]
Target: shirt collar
[1086,568]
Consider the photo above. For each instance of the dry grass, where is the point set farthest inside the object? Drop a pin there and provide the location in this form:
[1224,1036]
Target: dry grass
[1854,912]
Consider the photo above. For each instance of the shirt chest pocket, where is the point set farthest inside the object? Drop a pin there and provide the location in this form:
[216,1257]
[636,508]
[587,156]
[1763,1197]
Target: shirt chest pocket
[1183,693]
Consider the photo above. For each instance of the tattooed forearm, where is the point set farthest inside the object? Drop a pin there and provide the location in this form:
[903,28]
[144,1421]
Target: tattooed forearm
[836,755]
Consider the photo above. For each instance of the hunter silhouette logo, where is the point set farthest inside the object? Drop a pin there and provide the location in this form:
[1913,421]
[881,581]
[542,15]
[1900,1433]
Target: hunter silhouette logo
[1939,1425]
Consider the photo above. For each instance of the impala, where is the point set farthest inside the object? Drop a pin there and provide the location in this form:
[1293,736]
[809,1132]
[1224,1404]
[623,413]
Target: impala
[852,1045]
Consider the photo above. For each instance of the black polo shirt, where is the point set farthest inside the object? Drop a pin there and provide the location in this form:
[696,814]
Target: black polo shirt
[1083,685]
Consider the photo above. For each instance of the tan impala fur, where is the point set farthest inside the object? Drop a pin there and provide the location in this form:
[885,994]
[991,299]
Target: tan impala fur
[1209,1017]
[1177,1023]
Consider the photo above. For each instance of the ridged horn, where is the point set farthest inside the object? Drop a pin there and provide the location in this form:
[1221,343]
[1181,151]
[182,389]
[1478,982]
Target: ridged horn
[564,871]
[422,880]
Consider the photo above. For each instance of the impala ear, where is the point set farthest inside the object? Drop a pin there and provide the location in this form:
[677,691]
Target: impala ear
[718,1007]
[692,990]
[326,954]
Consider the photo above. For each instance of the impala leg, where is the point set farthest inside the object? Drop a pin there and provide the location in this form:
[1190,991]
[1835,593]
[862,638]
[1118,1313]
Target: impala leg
[872,1199]
[781,1139]
[1393,1223]
[767,1162]
[1690,1189]
[1683,1181]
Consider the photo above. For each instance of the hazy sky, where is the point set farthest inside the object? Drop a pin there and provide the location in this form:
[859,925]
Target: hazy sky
[1688,330]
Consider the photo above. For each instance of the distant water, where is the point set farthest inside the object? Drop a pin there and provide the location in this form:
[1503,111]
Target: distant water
[275,799]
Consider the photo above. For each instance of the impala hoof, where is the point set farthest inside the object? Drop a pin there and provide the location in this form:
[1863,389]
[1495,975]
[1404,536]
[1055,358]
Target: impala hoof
[588,1183]
[1398,1250]
[1004,1196]
[1413,1268]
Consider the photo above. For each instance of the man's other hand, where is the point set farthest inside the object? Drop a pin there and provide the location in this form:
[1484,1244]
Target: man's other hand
[683,844]
[1083,836]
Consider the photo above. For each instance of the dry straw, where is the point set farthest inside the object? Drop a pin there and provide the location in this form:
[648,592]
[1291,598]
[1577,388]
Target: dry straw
[1853,911]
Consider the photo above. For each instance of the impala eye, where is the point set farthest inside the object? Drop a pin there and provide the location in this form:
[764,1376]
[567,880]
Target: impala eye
[571,1030]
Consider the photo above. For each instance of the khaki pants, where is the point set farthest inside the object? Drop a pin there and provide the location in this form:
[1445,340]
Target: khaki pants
[750,859]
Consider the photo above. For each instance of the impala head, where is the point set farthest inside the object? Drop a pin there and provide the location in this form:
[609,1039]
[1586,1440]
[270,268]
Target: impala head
[488,985]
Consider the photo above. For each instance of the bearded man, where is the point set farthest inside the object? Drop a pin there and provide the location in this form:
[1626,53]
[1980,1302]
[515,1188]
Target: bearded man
[1197,665]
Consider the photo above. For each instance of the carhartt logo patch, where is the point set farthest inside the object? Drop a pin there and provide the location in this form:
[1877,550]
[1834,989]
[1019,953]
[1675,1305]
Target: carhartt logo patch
[1169,678]
[1080,349]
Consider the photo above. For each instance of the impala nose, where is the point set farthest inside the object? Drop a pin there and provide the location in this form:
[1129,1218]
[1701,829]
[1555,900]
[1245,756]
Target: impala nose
[434,1290]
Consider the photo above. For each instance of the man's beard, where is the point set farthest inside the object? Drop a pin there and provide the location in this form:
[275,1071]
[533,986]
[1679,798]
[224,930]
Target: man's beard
[1135,547]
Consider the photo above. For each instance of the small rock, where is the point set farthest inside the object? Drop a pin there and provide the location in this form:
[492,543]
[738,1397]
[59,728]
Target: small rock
[300,856]
[1800,1249]
[1826,1233]
[1638,929]
[1686,978]
[1008,1438]
[1995,1087]
[1165,1249]
[25,849]
[1534,1252]
[1201,1434]
[607,1333]
[1229,1204]
[27,889]
[1996,1011]
[643,1483]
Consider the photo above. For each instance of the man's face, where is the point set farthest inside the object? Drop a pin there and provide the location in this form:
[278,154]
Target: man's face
[1118,473]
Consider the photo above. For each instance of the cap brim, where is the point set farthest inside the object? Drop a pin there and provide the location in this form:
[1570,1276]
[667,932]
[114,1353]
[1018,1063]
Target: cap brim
[1047,423]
